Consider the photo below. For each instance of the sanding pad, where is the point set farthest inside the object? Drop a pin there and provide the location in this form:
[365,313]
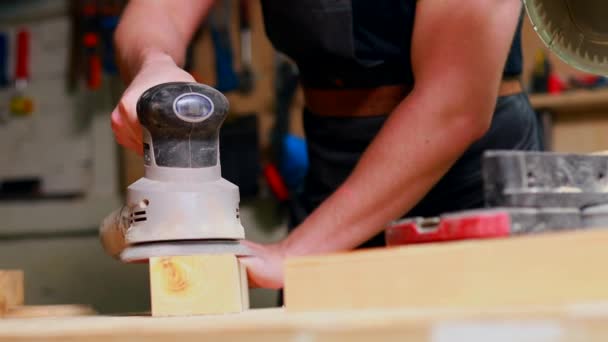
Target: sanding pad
[145,251]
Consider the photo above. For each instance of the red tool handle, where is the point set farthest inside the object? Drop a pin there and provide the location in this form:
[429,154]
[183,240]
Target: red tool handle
[95,69]
[276,183]
[473,225]
[23,55]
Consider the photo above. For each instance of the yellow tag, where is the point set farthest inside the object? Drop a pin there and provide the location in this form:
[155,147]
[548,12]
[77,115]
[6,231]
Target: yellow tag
[21,106]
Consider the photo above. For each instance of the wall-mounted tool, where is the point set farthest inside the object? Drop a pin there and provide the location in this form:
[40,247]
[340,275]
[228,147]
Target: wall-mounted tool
[219,25]
[286,148]
[246,77]
[109,14]
[21,103]
[4,78]
[587,82]
[182,205]
[540,73]
[52,168]
[91,41]
[4,44]
[289,162]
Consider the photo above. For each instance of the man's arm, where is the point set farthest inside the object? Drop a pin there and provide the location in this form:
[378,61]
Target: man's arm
[150,28]
[151,42]
[459,49]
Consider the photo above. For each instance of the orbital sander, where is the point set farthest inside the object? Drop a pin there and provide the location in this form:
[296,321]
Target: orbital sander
[182,205]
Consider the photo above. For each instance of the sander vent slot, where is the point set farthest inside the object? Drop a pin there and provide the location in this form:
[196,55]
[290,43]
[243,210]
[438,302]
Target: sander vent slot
[138,216]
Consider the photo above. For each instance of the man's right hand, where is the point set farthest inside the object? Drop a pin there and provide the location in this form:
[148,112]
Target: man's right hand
[156,69]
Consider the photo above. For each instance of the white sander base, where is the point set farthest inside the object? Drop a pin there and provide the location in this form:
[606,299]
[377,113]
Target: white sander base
[145,251]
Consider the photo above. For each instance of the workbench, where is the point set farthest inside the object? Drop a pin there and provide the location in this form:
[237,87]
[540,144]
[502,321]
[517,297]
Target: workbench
[575,323]
[544,287]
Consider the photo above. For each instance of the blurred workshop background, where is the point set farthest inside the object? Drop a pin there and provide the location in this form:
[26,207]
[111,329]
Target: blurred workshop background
[61,171]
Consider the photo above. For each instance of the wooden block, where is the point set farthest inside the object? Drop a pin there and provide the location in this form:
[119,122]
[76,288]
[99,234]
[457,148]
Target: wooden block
[198,284]
[11,287]
[545,269]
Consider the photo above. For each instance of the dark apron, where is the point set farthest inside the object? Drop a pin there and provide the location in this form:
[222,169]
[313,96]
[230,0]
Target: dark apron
[319,36]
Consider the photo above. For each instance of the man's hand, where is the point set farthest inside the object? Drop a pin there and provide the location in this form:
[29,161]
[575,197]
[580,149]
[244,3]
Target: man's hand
[151,41]
[155,70]
[265,266]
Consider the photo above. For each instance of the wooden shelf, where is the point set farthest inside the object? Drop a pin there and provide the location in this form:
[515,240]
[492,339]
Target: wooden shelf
[572,101]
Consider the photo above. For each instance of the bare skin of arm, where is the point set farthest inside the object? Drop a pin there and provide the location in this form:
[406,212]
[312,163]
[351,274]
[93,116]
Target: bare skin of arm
[151,41]
[459,49]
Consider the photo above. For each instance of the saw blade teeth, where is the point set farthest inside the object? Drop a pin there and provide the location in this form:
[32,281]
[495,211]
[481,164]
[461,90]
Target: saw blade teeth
[559,40]
[540,9]
[546,22]
[571,46]
[554,22]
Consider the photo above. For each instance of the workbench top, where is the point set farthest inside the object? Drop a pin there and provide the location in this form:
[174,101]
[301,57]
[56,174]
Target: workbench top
[572,323]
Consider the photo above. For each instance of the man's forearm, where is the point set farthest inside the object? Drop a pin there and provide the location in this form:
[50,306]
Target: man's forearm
[396,171]
[156,29]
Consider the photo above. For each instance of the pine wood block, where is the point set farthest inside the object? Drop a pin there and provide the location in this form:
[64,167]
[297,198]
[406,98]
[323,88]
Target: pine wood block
[197,284]
[11,287]
[545,269]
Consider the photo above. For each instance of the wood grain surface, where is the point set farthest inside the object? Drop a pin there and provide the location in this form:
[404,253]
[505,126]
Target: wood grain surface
[543,269]
[197,284]
[575,323]
[11,287]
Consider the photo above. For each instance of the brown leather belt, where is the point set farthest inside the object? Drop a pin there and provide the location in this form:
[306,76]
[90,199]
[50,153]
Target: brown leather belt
[373,101]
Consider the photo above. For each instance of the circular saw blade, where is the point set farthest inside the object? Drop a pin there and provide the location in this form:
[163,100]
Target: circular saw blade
[575,30]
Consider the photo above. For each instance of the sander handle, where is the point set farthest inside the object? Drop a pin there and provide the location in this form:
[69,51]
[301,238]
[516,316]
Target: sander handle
[181,122]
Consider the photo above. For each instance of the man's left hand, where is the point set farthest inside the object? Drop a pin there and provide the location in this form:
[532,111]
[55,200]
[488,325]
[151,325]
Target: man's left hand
[265,266]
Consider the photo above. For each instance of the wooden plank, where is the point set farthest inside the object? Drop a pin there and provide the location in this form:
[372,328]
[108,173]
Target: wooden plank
[544,269]
[31,311]
[559,324]
[11,287]
[197,284]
